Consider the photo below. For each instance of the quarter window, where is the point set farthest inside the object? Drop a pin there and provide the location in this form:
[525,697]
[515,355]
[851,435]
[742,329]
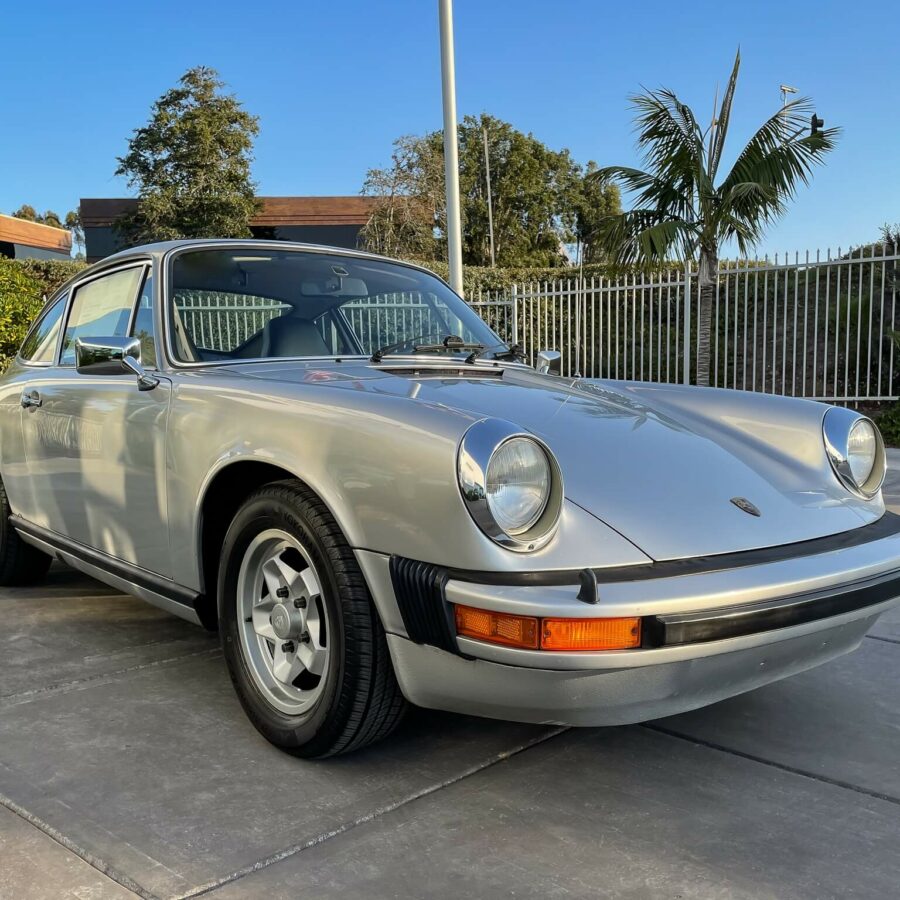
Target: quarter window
[101,308]
[143,323]
[40,345]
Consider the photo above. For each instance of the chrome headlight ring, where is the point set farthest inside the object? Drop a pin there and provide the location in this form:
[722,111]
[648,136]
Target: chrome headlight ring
[843,427]
[478,447]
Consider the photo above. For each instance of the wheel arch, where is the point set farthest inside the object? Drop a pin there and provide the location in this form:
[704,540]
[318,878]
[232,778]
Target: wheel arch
[222,496]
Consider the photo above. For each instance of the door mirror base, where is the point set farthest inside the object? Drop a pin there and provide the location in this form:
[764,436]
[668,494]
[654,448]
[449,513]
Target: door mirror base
[549,362]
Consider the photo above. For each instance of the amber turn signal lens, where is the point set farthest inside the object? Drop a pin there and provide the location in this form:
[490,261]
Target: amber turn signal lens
[497,628]
[590,634]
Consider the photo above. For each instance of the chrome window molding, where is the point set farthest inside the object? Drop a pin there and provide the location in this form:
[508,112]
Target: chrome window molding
[476,448]
[836,427]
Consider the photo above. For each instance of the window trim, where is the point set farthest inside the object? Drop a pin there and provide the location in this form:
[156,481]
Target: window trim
[139,262]
[59,297]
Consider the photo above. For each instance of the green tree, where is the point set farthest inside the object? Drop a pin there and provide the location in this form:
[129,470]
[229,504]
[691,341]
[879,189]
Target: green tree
[540,198]
[190,164]
[681,209]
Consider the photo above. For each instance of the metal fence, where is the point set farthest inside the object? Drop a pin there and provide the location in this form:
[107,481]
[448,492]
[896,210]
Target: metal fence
[821,326]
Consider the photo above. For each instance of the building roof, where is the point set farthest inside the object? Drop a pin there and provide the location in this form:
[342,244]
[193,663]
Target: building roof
[353,210]
[32,234]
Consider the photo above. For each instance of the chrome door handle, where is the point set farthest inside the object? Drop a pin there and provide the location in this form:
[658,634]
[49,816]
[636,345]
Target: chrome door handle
[31,400]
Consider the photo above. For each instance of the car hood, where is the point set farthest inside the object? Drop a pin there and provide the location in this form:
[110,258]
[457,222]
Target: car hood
[661,464]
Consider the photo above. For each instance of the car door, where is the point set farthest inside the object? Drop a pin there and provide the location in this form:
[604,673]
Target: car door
[94,444]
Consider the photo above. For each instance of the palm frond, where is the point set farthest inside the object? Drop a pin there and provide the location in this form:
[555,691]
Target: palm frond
[641,236]
[720,130]
[670,138]
[666,198]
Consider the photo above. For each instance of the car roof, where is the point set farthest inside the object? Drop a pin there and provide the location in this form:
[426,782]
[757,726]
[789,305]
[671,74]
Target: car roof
[161,248]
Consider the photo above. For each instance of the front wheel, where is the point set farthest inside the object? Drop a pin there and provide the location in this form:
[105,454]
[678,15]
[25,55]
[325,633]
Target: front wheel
[302,639]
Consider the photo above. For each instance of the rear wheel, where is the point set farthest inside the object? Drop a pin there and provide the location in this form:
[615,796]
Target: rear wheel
[20,563]
[304,645]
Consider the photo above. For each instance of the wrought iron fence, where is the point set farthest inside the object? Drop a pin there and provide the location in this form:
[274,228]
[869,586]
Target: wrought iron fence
[819,325]
[822,326]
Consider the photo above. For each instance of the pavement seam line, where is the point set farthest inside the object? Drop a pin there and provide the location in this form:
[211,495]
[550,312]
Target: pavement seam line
[878,637]
[95,862]
[63,687]
[784,767]
[377,813]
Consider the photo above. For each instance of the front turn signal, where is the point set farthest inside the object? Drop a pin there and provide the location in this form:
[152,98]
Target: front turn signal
[529,633]
[590,634]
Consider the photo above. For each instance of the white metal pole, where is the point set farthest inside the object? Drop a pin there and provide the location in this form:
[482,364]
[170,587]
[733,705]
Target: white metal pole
[451,149]
[686,373]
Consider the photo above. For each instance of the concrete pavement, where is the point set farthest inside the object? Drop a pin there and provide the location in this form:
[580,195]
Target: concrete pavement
[127,768]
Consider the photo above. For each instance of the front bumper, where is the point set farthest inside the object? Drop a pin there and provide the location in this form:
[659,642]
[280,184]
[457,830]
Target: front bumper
[713,628]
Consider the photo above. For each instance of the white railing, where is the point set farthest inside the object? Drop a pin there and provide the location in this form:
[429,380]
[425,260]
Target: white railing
[821,325]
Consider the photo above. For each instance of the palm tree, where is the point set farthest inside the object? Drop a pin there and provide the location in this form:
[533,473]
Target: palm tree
[679,208]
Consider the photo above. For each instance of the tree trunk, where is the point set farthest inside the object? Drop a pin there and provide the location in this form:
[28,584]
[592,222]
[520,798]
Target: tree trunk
[706,283]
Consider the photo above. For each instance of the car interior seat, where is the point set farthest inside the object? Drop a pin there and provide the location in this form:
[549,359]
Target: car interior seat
[290,336]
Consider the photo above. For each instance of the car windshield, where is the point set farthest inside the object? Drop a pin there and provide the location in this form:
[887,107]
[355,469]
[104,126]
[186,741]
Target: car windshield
[250,303]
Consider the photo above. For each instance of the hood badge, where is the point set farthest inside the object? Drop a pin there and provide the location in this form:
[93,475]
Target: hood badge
[744,504]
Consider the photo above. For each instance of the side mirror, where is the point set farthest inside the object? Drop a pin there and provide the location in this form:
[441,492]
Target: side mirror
[549,362]
[112,356]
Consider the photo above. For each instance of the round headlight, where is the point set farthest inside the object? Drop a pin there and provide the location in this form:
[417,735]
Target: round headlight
[518,484]
[862,448]
[511,484]
[855,450]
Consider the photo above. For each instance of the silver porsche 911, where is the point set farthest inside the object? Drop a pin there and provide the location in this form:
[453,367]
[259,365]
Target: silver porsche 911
[330,458]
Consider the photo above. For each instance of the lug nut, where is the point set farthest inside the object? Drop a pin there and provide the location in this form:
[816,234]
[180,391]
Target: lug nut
[300,603]
[287,647]
[305,637]
[282,593]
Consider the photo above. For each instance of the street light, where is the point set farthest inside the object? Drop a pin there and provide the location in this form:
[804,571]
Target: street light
[451,149]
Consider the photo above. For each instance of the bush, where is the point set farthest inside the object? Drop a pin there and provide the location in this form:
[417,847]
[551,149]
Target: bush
[889,423]
[24,284]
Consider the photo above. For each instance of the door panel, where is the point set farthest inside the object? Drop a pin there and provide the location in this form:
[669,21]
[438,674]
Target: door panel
[95,450]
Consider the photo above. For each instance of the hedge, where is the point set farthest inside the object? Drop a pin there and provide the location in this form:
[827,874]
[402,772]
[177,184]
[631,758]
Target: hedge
[23,286]
[482,279]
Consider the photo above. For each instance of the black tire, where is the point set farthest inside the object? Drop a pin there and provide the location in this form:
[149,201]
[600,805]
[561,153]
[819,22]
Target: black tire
[360,702]
[20,563]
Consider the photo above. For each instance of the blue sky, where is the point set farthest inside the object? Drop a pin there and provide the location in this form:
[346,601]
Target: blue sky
[334,83]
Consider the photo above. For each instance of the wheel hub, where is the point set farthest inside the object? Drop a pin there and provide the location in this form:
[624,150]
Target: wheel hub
[287,621]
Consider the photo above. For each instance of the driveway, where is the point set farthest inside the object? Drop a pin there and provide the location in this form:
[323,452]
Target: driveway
[127,768]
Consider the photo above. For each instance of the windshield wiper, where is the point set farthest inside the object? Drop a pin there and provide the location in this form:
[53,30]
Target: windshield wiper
[510,354]
[452,343]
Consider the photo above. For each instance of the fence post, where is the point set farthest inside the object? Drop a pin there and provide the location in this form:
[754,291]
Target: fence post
[515,315]
[686,376]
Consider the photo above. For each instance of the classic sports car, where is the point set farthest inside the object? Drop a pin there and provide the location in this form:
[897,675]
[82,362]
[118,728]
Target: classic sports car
[330,458]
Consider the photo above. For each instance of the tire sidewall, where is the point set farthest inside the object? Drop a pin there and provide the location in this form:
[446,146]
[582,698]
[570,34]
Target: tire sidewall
[315,725]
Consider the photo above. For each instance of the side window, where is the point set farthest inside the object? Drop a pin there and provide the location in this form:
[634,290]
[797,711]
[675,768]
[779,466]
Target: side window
[143,323]
[101,308]
[40,345]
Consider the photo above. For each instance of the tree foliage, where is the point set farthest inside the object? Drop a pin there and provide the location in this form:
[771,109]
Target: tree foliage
[190,164]
[680,206]
[540,198]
